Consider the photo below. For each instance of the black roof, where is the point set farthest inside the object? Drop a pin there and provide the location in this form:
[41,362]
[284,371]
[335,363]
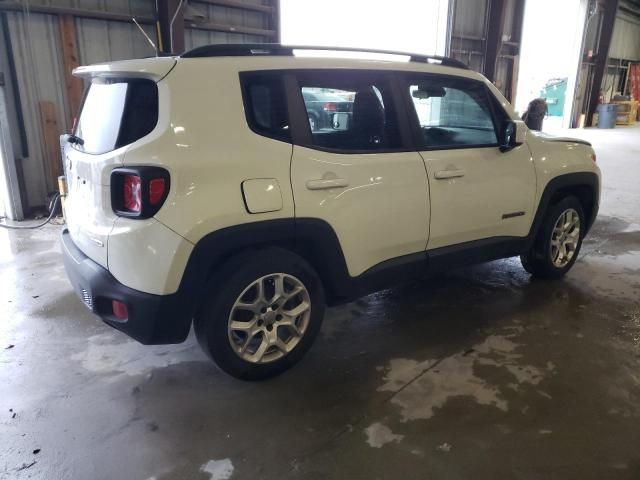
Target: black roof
[276,49]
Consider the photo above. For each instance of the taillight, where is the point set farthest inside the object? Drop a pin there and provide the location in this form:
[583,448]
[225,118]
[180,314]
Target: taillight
[593,157]
[132,193]
[329,107]
[138,192]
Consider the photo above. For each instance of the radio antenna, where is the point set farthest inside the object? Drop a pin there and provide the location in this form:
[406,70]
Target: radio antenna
[153,45]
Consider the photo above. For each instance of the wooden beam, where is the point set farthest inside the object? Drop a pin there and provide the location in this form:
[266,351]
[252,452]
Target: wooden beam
[51,137]
[171,25]
[76,12]
[70,58]
[239,5]
[219,27]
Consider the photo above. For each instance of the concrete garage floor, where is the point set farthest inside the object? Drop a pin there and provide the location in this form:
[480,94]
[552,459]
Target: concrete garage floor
[480,374]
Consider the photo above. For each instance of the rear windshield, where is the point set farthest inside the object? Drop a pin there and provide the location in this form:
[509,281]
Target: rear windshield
[117,113]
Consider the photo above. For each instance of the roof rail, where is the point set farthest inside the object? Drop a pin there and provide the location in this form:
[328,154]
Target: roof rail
[276,49]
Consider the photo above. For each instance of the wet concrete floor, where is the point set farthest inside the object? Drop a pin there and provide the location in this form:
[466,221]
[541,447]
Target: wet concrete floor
[481,373]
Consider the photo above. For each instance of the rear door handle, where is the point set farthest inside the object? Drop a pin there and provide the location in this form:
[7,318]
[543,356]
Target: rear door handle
[325,183]
[444,174]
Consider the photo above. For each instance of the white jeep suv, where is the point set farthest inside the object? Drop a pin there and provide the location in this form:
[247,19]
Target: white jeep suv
[199,193]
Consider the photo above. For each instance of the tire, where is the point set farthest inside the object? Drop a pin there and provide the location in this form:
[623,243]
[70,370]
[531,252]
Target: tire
[555,250]
[233,297]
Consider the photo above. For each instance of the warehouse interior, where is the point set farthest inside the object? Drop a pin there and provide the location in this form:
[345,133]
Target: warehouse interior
[479,372]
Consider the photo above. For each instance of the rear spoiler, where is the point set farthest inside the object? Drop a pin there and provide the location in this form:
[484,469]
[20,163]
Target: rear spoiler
[155,68]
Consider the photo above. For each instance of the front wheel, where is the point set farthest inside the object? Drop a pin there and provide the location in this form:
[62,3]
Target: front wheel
[558,241]
[265,315]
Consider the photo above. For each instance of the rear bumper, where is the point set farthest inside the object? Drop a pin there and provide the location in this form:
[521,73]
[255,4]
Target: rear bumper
[153,319]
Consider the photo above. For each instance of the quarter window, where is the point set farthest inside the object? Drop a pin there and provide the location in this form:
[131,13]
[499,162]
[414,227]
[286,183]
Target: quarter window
[349,112]
[266,106]
[453,113]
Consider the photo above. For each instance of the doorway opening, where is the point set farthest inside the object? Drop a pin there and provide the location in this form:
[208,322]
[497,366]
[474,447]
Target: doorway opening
[552,39]
[397,26]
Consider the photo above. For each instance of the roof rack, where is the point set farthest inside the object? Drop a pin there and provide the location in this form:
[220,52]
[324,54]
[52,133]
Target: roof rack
[276,49]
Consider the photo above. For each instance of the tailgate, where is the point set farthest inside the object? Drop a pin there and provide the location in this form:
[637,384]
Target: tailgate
[119,108]
[88,210]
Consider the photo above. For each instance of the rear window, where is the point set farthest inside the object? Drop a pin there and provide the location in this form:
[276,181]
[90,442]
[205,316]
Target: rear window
[117,113]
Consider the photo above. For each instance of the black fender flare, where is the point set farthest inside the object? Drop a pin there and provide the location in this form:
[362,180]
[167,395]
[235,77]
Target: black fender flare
[557,184]
[313,239]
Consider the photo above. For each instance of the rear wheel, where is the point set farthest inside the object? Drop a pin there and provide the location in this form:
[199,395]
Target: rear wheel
[266,316]
[558,241]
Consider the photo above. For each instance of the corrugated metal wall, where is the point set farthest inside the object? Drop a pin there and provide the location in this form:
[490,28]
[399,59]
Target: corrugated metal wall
[469,34]
[36,45]
[625,48]
[231,16]
[626,38]
[102,41]
[36,50]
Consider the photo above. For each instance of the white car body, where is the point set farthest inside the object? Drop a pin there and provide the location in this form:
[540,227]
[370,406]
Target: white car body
[381,206]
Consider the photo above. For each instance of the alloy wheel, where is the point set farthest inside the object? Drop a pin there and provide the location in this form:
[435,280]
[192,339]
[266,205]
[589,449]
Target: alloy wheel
[269,318]
[565,238]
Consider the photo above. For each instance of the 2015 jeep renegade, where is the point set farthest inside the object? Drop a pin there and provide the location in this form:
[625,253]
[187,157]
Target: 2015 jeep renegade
[202,189]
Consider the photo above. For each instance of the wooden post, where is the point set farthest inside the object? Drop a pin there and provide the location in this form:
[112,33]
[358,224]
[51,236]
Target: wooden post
[73,84]
[172,38]
[51,137]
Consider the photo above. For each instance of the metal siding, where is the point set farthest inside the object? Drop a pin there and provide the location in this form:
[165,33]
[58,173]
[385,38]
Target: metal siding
[103,41]
[470,18]
[467,42]
[510,10]
[228,16]
[625,43]
[39,64]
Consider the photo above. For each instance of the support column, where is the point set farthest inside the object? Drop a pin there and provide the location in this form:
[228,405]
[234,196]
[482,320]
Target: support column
[493,37]
[70,59]
[516,38]
[601,57]
[171,12]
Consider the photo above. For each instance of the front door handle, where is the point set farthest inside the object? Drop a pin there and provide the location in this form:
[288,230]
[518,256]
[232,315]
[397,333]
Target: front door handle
[444,174]
[326,183]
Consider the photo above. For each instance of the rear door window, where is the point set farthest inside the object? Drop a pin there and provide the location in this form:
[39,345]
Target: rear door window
[116,113]
[350,111]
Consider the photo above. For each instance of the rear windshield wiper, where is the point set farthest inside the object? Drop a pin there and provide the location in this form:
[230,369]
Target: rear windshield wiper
[75,139]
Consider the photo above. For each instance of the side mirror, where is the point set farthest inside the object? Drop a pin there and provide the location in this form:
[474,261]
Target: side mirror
[507,140]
